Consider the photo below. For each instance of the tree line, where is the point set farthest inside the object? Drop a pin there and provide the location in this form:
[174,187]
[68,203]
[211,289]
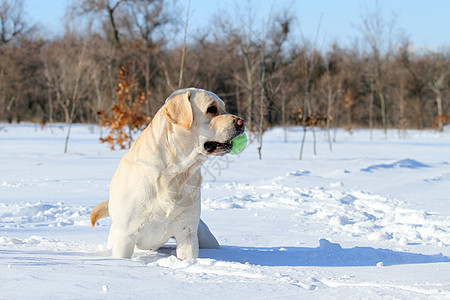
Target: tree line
[264,73]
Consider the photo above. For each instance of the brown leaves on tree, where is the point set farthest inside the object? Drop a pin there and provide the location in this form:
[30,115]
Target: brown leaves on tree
[310,120]
[127,115]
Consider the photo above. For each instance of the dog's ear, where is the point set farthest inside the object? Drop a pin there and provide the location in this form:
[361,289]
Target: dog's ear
[178,110]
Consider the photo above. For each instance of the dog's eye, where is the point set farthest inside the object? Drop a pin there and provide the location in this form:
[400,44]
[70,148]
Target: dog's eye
[212,110]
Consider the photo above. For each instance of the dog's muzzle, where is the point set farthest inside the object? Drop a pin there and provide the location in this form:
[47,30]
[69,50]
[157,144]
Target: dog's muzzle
[222,148]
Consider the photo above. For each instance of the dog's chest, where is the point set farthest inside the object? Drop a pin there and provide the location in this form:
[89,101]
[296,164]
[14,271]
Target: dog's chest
[158,228]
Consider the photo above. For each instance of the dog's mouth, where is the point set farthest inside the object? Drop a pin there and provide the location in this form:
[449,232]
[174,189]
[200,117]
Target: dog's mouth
[219,148]
[222,148]
[216,148]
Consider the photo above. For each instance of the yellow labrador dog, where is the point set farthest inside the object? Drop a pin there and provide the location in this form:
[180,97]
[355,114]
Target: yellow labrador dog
[155,192]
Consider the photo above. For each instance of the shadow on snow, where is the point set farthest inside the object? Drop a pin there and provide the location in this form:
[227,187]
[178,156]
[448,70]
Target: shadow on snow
[327,254]
[404,163]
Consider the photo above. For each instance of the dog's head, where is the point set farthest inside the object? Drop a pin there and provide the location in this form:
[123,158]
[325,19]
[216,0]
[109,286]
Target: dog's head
[201,115]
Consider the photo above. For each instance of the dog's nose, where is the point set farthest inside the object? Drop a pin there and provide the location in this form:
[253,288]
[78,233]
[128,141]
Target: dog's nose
[240,122]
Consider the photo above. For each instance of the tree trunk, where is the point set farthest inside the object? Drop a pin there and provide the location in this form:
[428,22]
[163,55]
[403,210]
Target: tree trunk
[303,143]
[283,117]
[371,109]
[383,110]
[50,107]
[261,106]
[250,92]
[72,114]
[183,51]
[329,108]
[10,110]
[439,110]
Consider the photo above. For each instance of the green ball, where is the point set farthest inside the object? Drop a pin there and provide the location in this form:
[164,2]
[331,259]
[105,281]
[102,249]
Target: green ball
[239,143]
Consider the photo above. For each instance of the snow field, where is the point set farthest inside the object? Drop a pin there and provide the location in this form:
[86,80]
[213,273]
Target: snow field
[369,220]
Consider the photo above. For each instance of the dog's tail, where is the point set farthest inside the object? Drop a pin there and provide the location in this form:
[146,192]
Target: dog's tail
[100,211]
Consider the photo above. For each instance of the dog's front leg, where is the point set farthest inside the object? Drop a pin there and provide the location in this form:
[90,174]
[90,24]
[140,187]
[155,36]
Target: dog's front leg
[187,243]
[123,244]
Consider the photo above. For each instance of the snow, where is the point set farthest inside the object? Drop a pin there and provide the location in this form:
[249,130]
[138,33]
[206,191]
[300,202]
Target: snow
[368,220]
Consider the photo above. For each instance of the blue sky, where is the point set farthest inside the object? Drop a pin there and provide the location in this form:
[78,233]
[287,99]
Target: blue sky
[425,22]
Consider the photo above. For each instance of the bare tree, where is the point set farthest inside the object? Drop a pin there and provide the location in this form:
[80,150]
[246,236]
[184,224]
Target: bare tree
[12,23]
[247,41]
[377,33]
[144,22]
[262,101]
[309,60]
[76,92]
[67,77]
[440,72]
[183,51]
[332,84]
[107,9]
[415,84]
